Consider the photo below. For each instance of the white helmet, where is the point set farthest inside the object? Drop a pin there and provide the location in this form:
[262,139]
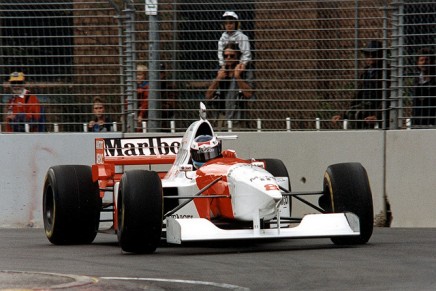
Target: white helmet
[204,148]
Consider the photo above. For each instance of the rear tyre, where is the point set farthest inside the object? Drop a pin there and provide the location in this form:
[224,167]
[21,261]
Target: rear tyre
[278,169]
[71,205]
[347,189]
[139,210]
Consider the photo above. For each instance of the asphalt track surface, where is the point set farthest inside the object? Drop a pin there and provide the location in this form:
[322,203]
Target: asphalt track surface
[395,259]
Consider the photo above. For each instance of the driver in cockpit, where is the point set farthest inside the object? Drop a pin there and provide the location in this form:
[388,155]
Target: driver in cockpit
[205,148]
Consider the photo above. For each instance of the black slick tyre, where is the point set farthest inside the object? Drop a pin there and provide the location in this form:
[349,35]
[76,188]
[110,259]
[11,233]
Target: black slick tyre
[71,205]
[347,189]
[139,211]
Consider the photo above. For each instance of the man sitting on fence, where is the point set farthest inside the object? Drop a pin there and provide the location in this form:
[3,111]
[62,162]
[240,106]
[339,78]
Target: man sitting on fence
[230,89]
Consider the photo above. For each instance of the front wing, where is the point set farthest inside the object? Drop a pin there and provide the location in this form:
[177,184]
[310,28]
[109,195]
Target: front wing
[311,226]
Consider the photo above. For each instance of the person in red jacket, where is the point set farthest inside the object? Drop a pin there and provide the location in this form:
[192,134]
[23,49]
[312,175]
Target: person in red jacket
[23,107]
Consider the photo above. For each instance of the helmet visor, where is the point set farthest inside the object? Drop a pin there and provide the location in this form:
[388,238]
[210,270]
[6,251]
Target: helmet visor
[204,154]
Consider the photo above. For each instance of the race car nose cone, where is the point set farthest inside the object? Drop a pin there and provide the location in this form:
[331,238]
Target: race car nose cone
[273,191]
[277,199]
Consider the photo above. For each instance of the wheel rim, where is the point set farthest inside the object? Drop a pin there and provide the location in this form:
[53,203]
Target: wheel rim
[328,186]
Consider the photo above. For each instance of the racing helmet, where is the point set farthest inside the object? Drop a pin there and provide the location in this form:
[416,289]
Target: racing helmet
[205,148]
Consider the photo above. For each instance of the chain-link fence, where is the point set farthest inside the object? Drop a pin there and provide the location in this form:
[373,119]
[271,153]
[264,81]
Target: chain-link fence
[307,60]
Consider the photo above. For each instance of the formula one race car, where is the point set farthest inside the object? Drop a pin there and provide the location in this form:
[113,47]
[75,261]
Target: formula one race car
[203,194]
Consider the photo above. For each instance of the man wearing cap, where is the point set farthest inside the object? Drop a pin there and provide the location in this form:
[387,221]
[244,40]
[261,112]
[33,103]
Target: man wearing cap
[23,107]
[233,34]
[366,109]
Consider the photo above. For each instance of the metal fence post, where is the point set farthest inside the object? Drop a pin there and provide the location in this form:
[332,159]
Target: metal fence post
[400,76]
[121,61]
[385,95]
[393,124]
[153,95]
[130,69]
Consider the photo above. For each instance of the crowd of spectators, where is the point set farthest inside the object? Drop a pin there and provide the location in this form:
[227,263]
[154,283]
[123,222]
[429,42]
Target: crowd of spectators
[234,84]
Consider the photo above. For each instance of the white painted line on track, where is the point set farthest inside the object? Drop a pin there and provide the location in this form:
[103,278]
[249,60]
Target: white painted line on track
[193,282]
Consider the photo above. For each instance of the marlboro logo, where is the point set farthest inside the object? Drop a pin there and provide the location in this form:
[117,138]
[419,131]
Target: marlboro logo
[146,146]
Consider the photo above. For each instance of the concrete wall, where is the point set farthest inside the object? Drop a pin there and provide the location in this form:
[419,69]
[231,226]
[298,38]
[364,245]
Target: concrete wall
[402,162]
[411,177]
[25,159]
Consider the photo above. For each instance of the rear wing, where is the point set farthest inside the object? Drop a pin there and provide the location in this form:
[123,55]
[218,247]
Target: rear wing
[111,152]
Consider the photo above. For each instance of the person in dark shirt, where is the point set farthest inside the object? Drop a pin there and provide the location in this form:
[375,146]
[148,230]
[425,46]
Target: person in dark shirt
[100,122]
[424,90]
[366,110]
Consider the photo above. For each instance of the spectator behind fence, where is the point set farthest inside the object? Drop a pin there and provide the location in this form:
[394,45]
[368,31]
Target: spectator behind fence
[232,85]
[367,107]
[424,91]
[142,92]
[100,122]
[168,97]
[232,33]
[23,107]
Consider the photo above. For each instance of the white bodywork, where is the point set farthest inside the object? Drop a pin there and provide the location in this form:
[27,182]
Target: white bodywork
[253,190]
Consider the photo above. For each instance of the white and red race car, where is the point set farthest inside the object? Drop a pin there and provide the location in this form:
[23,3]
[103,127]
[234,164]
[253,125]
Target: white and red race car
[227,198]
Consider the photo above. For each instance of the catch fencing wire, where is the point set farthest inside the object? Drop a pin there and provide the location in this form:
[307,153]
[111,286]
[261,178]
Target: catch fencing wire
[306,57]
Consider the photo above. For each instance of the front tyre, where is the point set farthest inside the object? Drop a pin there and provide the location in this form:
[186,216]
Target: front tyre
[139,209]
[71,205]
[347,189]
